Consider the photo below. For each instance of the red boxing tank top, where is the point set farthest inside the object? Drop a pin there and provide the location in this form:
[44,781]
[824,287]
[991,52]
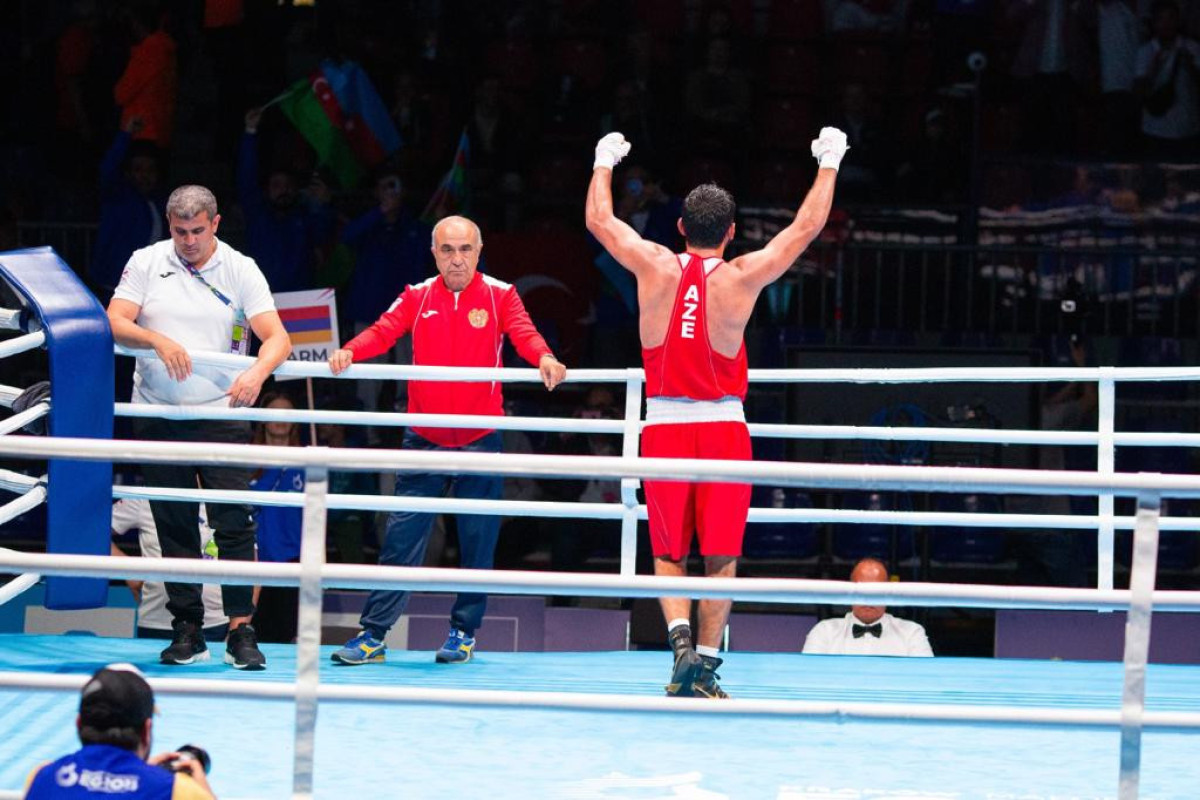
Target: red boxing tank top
[685,364]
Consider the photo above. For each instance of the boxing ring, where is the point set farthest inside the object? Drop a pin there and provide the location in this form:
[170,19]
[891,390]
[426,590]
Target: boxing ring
[584,725]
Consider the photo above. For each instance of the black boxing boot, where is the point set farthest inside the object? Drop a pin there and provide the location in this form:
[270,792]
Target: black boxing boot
[706,684]
[688,664]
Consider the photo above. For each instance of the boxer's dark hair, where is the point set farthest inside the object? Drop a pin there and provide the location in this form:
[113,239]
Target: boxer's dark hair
[708,212]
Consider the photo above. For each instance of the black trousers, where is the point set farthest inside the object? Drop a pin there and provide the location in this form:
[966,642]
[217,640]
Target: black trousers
[178,522]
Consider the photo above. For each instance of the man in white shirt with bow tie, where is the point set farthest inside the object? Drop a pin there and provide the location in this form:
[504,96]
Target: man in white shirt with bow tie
[868,630]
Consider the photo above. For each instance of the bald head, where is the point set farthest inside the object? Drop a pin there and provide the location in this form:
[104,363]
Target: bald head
[457,243]
[461,227]
[869,570]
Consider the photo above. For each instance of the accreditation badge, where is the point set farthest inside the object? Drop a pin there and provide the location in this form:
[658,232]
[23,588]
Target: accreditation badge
[478,317]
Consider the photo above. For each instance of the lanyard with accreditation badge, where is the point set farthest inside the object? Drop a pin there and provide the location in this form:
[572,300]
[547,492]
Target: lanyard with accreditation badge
[239,341]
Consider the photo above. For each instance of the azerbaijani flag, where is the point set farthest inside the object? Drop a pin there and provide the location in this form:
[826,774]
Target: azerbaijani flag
[342,116]
[452,195]
[307,324]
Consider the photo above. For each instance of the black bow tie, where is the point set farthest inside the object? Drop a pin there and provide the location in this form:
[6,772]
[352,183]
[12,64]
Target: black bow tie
[875,630]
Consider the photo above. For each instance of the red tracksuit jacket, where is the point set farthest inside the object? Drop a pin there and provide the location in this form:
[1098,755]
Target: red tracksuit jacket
[448,331]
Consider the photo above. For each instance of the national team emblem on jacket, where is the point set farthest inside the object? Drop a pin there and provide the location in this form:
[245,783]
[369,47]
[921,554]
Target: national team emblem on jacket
[478,317]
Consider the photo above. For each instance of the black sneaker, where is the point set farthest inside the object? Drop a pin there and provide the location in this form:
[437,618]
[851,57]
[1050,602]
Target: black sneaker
[688,664]
[241,649]
[706,685]
[187,645]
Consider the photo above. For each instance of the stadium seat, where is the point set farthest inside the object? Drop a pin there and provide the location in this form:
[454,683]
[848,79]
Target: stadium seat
[852,541]
[781,540]
[967,544]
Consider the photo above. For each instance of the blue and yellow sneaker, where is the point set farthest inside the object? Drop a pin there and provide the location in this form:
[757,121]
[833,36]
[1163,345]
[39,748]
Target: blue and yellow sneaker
[457,649]
[362,649]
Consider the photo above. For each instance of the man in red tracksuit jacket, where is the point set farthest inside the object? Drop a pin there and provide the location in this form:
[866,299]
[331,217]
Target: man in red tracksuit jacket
[457,319]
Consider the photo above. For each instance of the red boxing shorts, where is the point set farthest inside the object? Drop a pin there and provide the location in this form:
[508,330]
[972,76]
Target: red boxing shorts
[716,512]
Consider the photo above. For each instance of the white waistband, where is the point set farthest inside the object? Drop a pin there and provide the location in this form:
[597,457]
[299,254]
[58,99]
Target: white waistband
[660,410]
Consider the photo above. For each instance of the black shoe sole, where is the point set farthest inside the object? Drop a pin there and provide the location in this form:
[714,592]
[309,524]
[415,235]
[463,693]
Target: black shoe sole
[203,655]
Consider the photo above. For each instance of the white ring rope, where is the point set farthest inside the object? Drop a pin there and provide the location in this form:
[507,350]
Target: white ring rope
[579,701]
[20,344]
[18,482]
[606,426]
[615,511]
[861,376]
[763,590]
[18,421]
[862,477]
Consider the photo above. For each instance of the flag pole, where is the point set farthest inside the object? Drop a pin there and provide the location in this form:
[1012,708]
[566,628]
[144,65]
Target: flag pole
[312,426]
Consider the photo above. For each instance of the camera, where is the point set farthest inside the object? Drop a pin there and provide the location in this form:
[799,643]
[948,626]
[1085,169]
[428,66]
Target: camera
[190,752]
[977,62]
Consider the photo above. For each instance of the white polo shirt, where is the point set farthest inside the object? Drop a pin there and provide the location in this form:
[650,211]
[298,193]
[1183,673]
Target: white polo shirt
[898,637]
[135,515]
[177,304]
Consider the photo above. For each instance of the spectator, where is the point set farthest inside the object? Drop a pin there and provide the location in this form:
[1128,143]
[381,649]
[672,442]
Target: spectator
[131,206]
[284,227]
[868,630]
[279,528]
[116,729]
[458,319]
[633,110]
[1051,64]
[936,167]
[497,152]
[1167,78]
[717,98]
[868,136]
[1115,29]
[153,619]
[391,247]
[147,88]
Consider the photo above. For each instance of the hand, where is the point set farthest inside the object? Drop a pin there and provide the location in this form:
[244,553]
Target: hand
[829,147]
[253,117]
[174,358]
[340,360]
[553,372]
[189,766]
[133,126]
[135,587]
[244,391]
[610,150]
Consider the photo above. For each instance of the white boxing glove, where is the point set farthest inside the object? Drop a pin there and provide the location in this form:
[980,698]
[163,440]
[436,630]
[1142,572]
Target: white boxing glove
[829,147]
[610,150]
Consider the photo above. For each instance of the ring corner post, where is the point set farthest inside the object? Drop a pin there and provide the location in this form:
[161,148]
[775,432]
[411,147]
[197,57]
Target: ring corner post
[1137,641]
[79,345]
[629,486]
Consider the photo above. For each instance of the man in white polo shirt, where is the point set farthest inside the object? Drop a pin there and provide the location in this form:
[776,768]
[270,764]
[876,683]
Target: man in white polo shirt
[868,630]
[195,293]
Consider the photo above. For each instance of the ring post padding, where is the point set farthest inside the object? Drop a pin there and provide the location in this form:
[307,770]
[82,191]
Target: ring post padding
[1137,642]
[80,346]
[1106,460]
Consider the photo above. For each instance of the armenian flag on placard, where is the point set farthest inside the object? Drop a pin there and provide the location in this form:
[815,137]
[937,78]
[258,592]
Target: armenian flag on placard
[307,324]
